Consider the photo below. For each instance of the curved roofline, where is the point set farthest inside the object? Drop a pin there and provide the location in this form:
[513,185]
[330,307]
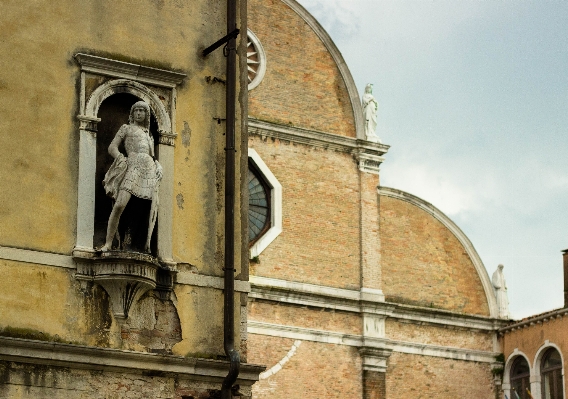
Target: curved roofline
[338,58]
[456,231]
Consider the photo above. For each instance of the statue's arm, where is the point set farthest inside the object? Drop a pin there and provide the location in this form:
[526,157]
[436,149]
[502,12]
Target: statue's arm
[113,147]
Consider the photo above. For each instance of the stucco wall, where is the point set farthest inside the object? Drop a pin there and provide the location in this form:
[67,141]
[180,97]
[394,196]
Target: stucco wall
[39,154]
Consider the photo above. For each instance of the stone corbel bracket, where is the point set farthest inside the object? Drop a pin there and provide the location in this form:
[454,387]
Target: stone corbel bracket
[126,276]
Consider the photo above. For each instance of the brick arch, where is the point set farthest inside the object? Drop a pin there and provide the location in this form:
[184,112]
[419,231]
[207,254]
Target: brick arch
[315,92]
[419,241]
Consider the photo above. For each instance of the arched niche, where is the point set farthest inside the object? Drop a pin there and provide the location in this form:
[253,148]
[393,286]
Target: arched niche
[102,78]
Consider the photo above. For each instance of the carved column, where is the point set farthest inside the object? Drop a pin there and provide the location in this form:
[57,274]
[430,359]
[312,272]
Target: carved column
[166,196]
[86,187]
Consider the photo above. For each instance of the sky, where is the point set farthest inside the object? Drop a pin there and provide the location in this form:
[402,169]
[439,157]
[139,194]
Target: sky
[473,100]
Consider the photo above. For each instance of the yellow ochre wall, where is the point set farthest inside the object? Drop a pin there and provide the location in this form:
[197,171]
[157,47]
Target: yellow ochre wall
[39,154]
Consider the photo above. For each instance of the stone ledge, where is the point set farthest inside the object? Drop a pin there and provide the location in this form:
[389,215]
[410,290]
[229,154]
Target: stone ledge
[319,139]
[303,294]
[105,359]
[330,337]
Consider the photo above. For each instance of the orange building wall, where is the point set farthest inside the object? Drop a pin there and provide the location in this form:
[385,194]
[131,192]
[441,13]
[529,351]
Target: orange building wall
[302,86]
[424,264]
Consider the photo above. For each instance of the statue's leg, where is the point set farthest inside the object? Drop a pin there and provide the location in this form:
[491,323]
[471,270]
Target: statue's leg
[153,216]
[117,209]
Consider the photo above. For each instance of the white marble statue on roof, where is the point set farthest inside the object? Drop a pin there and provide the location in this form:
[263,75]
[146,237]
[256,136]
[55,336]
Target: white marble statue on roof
[370,107]
[500,287]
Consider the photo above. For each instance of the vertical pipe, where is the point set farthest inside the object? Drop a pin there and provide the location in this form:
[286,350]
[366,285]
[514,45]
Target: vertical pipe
[229,300]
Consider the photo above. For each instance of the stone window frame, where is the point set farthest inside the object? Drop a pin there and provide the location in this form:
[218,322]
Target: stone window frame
[133,79]
[261,71]
[512,359]
[275,229]
[538,368]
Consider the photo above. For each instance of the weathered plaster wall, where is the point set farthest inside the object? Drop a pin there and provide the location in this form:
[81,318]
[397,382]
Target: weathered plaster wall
[424,264]
[37,381]
[532,338]
[39,154]
[302,86]
[320,241]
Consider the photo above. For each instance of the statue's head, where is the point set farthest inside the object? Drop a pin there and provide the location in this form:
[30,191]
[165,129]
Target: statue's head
[369,88]
[501,267]
[140,105]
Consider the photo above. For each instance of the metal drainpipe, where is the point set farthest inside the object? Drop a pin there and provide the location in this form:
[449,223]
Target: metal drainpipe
[229,289]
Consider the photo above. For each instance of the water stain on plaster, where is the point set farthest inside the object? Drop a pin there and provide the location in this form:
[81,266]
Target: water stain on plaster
[180,200]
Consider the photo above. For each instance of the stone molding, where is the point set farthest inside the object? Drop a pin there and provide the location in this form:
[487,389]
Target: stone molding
[340,62]
[374,359]
[534,320]
[68,262]
[275,206]
[126,70]
[122,361]
[456,231]
[315,138]
[278,366]
[332,337]
[303,294]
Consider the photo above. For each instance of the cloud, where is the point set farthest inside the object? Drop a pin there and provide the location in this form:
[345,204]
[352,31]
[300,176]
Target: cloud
[338,17]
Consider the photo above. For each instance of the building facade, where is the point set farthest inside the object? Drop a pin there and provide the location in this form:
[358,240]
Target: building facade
[357,290]
[534,350]
[84,321]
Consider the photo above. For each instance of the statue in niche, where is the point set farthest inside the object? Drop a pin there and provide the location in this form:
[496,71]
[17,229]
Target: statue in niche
[370,107]
[500,287]
[138,173]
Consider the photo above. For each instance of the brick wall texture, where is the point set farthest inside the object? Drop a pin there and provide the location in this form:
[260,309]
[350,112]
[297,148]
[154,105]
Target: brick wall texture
[315,371]
[374,385]
[439,335]
[302,316]
[320,242]
[424,264]
[302,86]
[414,376]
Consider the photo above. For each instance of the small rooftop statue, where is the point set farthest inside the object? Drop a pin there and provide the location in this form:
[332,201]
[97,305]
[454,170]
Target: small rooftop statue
[500,287]
[138,174]
[370,107]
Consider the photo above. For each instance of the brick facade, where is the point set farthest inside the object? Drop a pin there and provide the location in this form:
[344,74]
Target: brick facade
[302,86]
[320,211]
[437,271]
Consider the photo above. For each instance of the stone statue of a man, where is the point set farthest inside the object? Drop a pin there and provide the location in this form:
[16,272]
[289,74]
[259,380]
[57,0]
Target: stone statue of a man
[370,107]
[138,173]
[500,287]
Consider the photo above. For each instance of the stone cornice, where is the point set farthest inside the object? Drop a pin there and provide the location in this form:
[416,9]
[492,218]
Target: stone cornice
[68,262]
[458,233]
[353,301]
[535,320]
[317,138]
[126,70]
[105,359]
[331,337]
